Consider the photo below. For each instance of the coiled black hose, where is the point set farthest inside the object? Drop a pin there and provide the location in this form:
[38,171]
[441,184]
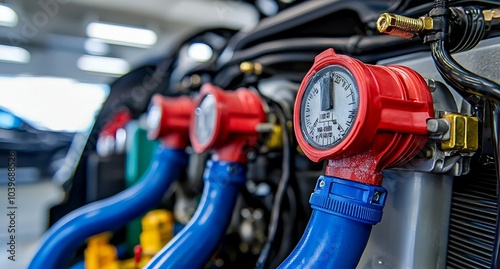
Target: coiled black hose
[453,73]
[461,78]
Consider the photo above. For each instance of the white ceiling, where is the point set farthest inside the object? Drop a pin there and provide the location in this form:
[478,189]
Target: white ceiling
[198,12]
[54,30]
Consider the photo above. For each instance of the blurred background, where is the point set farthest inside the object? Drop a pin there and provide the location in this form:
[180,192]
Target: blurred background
[57,60]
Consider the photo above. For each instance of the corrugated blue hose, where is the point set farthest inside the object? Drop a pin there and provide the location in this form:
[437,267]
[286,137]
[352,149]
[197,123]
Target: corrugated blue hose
[340,225]
[198,241]
[63,239]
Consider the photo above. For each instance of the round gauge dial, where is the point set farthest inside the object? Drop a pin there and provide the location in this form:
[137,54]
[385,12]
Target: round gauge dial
[205,119]
[329,107]
[153,119]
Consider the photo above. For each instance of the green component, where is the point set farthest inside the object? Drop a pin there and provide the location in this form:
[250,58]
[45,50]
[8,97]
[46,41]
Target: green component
[140,151]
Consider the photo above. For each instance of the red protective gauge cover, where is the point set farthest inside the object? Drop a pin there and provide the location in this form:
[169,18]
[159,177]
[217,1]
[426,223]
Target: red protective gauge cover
[237,116]
[173,129]
[390,128]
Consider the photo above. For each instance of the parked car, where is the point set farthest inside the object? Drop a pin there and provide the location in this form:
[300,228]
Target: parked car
[39,152]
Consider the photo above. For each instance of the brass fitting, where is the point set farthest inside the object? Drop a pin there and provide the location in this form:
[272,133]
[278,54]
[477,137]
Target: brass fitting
[490,14]
[402,26]
[99,254]
[276,138]
[157,230]
[249,67]
[464,133]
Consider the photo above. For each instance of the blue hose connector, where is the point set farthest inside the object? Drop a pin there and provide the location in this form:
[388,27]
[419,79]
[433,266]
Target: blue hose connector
[63,239]
[340,225]
[198,241]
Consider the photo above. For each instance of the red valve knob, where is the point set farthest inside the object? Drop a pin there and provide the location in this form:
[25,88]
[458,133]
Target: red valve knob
[226,122]
[169,119]
[386,126]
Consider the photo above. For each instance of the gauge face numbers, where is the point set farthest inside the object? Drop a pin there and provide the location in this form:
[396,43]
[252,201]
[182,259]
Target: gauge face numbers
[205,119]
[329,107]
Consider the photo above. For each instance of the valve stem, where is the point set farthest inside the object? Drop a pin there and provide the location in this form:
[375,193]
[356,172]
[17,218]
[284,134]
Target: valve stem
[249,68]
[402,26]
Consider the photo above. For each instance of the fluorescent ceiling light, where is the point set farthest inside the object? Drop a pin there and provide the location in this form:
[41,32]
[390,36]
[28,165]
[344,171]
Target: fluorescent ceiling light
[200,52]
[14,54]
[8,17]
[122,35]
[107,65]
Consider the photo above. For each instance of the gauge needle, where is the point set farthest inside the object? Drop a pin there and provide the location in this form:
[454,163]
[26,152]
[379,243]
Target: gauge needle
[327,92]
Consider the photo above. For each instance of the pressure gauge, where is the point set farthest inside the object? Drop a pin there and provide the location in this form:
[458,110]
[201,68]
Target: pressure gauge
[360,117]
[205,118]
[329,107]
[226,121]
[169,118]
[153,119]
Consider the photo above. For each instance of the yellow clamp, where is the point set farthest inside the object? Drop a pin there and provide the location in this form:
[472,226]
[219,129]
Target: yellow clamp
[490,14]
[99,254]
[157,230]
[275,140]
[464,133]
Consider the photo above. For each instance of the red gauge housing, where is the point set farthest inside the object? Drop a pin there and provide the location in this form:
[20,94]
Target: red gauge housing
[172,126]
[118,121]
[237,115]
[390,127]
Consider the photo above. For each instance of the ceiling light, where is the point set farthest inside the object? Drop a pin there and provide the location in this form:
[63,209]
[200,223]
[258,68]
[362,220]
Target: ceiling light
[14,54]
[200,52]
[8,17]
[107,65]
[122,35]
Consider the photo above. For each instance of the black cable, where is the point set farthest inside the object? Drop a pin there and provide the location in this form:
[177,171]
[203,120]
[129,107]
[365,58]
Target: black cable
[475,2]
[354,45]
[287,241]
[281,191]
[453,73]
[461,78]
[228,74]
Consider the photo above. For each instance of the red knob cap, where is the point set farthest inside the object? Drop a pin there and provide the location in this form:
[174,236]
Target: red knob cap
[226,122]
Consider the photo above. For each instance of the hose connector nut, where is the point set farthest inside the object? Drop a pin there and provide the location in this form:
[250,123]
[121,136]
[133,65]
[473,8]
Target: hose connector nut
[402,26]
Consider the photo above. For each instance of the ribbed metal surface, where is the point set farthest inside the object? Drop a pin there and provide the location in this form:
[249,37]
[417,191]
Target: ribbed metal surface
[473,220]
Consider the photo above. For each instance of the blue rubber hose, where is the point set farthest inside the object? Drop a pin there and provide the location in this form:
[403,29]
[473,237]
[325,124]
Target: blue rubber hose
[340,225]
[198,241]
[62,240]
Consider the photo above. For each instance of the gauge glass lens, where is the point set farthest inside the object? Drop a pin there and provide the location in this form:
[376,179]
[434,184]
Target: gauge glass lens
[329,107]
[154,117]
[205,119]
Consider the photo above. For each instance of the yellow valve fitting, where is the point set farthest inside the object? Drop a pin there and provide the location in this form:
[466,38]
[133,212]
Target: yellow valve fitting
[99,254]
[157,230]
[249,67]
[276,138]
[490,14]
[464,133]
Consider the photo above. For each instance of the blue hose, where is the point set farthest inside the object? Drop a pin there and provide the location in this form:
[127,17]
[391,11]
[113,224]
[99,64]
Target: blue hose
[63,239]
[340,225]
[197,242]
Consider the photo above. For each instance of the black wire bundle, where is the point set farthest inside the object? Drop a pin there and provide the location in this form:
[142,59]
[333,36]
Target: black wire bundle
[282,190]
